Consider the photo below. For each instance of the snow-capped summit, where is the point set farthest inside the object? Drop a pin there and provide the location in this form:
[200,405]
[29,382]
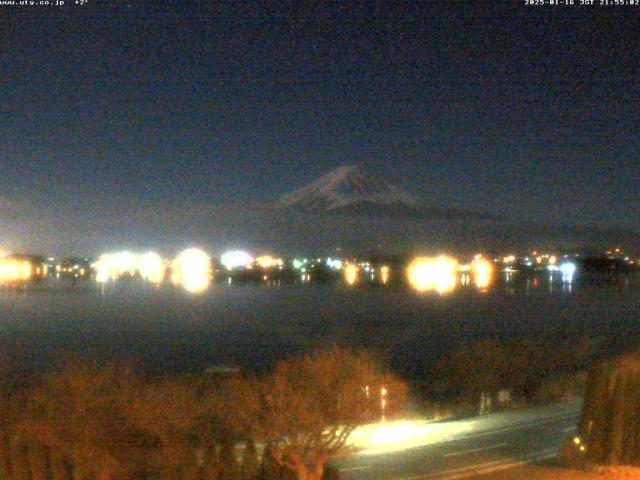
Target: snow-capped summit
[347,188]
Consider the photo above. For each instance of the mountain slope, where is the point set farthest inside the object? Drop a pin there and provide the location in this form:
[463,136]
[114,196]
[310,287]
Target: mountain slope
[345,186]
[348,190]
[358,212]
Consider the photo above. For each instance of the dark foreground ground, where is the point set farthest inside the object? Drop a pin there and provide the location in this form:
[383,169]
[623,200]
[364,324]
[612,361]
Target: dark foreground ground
[551,470]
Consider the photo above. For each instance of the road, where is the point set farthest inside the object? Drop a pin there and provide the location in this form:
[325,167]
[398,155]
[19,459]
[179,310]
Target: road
[460,449]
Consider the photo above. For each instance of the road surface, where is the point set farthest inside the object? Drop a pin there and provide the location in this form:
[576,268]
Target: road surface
[461,449]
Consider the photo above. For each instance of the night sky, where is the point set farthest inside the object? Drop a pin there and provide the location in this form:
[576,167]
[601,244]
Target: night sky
[120,119]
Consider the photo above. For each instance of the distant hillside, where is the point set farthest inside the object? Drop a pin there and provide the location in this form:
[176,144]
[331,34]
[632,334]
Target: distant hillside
[348,190]
[354,211]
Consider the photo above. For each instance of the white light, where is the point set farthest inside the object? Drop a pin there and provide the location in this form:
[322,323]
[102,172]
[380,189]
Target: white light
[151,267]
[192,270]
[568,270]
[391,437]
[111,266]
[335,264]
[236,259]
[103,268]
[126,262]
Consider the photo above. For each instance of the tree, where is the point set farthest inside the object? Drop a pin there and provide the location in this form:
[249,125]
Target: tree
[522,365]
[236,412]
[467,373]
[90,422]
[77,417]
[272,470]
[311,405]
[10,411]
[175,412]
[610,422]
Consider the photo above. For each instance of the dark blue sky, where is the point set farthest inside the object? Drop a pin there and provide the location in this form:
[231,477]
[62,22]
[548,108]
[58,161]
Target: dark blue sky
[118,112]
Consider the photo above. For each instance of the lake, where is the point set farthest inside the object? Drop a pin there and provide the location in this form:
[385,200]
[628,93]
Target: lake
[254,324]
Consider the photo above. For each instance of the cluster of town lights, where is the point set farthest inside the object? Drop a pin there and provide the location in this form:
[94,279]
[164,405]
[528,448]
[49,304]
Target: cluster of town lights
[440,274]
[112,266]
[191,269]
[20,269]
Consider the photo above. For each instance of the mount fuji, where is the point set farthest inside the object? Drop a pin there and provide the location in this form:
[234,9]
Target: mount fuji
[357,211]
[349,190]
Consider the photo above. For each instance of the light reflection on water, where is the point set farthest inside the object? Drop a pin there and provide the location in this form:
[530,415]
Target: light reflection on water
[254,324]
[437,277]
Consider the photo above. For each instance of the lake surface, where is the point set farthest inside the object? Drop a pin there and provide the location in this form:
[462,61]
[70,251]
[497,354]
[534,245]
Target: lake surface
[253,325]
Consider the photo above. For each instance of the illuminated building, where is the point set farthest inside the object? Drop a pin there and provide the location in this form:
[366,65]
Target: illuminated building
[267,262]
[16,269]
[74,268]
